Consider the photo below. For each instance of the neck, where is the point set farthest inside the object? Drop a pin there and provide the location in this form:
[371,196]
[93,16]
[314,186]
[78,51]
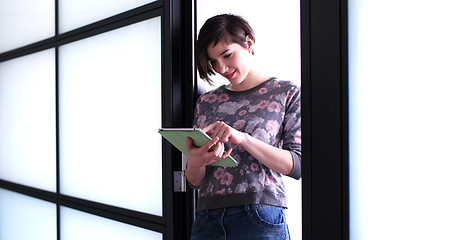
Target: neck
[253,79]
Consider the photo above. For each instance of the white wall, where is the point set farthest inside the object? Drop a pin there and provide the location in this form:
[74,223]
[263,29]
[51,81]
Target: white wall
[402,115]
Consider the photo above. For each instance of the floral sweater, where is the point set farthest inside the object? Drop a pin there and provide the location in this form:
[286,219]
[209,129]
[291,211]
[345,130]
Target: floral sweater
[269,112]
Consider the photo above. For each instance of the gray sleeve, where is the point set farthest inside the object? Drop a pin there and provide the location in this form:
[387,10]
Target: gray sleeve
[193,187]
[296,172]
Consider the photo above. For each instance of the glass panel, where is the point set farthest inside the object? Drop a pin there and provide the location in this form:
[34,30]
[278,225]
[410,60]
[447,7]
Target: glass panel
[23,217]
[27,120]
[24,22]
[401,85]
[277,53]
[110,112]
[79,225]
[77,13]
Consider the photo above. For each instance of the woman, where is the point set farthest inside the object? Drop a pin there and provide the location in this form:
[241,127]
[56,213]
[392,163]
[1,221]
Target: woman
[257,119]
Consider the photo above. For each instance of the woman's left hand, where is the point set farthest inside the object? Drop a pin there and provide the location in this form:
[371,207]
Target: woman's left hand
[225,133]
[277,159]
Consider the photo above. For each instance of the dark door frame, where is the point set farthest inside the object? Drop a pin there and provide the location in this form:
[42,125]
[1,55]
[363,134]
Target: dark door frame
[325,120]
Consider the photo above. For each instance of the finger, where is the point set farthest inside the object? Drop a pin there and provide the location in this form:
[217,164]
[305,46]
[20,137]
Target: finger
[219,150]
[225,136]
[220,130]
[223,131]
[227,153]
[189,144]
[210,128]
[216,127]
[211,143]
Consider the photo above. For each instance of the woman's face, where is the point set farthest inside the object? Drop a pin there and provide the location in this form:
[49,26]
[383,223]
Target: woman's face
[231,61]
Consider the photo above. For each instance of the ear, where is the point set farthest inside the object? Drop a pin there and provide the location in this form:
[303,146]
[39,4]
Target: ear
[249,44]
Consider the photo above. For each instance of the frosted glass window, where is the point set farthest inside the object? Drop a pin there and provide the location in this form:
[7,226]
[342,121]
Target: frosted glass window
[23,217]
[27,120]
[25,22]
[401,87]
[76,225]
[110,112]
[277,53]
[77,13]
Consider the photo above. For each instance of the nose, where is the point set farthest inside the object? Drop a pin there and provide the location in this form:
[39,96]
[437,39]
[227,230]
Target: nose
[220,67]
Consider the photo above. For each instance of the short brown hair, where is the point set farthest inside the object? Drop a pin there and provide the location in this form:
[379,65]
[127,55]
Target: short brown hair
[227,28]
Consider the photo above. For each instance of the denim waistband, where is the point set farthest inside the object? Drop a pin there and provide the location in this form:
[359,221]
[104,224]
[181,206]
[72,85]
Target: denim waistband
[231,210]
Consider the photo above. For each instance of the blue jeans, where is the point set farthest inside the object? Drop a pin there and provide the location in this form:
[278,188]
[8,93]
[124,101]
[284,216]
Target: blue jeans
[246,222]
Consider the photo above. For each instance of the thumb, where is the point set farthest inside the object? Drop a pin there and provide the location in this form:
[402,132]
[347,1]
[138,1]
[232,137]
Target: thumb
[189,144]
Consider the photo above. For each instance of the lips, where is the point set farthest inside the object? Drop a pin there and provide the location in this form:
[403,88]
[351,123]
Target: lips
[230,75]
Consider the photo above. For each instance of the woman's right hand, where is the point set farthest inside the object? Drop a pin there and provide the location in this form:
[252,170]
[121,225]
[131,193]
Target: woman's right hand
[203,156]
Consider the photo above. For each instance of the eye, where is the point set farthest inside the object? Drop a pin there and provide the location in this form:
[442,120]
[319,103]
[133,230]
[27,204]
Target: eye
[228,55]
[212,63]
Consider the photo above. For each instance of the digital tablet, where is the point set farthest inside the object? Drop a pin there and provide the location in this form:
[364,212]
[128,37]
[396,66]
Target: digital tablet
[177,137]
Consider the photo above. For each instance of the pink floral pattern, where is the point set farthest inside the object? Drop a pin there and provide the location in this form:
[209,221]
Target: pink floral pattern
[269,112]
[274,107]
[210,98]
[239,124]
[263,104]
[272,126]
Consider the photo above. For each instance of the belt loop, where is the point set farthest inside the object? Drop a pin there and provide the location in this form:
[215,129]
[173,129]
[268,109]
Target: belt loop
[247,207]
